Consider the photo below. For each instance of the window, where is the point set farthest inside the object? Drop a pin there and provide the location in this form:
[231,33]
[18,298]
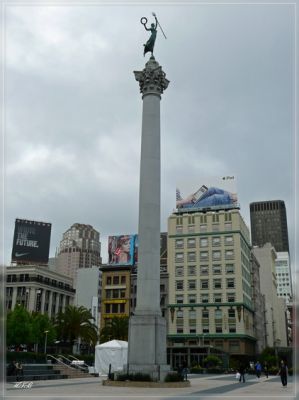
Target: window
[230,297]
[114,308]
[228,240]
[179,298]
[115,280]
[205,313]
[179,229]
[232,328]
[179,257]
[217,283]
[204,270]
[192,314]
[180,314]
[179,243]
[191,270]
[191,257]
[218,344]
[231,313]
[229,254]
[192,284]
[215,227]
[179,271]
[191,228]
[204,284]
[216,269]
[123,279]
[234,345]
[228,226]
[179,285]
[192,298]
[230,283]
[205,329]
[108,293]
[218,328]
[179,221]
[192,330]
[216,254]
[204,242]
[204,255]
[191,220]
[122,308]
[203,219]
[204,298]
[203,227]
[180,330]
[216,241]
[108,280]
[191,243]
[217,298]
[218,314]
[230,268]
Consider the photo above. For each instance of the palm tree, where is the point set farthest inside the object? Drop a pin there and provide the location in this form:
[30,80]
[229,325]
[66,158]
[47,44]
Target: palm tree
[76,322]
[117,328]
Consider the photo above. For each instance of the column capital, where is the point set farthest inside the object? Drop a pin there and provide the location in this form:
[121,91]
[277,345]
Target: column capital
[152,80]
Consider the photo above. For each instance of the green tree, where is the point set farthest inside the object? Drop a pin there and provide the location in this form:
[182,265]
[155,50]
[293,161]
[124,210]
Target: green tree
[212,361]
[19,327]
[74,323]
[117,328]
[40,324]
[268,355]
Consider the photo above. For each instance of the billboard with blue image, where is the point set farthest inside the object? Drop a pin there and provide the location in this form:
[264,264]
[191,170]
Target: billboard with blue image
[121,250]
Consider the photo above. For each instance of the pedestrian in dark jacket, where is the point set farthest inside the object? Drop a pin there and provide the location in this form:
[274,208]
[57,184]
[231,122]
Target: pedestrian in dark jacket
[242,371]
[283,372]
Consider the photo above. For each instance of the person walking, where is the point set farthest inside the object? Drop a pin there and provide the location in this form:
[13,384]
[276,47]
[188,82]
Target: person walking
[258,369]
[242,371]
[266,370]
[283,372]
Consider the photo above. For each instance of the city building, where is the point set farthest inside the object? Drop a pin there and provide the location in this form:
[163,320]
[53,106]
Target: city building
[210,285]
[88,291]
[38,289]
[80,247]
[269,224]
[276,323]
[258,300]
[116,286]
[285,289]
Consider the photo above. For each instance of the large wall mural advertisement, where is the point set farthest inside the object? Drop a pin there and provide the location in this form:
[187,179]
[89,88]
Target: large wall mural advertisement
[213,193]
[121,250]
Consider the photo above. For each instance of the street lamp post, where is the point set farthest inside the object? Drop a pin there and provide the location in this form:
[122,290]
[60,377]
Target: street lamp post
[45,350]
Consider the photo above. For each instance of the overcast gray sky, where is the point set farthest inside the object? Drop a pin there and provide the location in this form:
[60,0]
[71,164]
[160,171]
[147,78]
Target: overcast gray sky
[73,109]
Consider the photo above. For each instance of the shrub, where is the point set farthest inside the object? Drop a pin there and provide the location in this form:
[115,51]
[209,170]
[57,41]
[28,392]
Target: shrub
[26,357]
[196,369]
[139,376]
[173,377]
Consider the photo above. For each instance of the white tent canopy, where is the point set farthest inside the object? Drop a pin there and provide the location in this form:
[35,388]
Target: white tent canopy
[114,352]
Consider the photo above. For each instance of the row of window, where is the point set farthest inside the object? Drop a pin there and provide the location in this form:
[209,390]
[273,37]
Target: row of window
[115,308]
[216,269]
[204,284]
[205,298]
[204,242]
[192,314]
[115,280]
[206,329]
[204,256]
[203,228]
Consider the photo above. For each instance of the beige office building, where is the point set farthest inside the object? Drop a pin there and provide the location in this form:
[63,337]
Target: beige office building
[38,289]
[276,310]
[210,293]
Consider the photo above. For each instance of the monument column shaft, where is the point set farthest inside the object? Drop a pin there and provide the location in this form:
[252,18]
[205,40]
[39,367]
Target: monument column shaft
[148,276]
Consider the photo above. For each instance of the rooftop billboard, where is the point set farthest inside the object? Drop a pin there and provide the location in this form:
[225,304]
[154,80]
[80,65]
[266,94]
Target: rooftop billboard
[215,193]
[31,242]
[121,250]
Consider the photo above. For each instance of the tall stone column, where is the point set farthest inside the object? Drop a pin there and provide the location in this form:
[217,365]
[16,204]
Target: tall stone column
[147,328]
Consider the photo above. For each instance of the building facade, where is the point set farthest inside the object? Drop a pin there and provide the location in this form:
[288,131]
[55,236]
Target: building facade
[269,224]
[276,322]
[210,284]
[116,287]
[80,247]
[259,305]
[38,289]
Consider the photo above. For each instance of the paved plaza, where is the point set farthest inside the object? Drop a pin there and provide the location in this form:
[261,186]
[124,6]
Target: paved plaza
[202,387]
